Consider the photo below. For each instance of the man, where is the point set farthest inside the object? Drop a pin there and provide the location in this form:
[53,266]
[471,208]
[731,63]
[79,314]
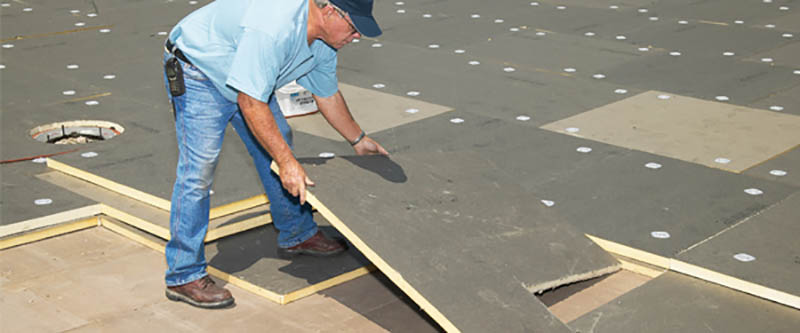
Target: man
[223,64]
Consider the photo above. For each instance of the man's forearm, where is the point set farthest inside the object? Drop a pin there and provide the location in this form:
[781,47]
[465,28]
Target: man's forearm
[335,111]
[261,122]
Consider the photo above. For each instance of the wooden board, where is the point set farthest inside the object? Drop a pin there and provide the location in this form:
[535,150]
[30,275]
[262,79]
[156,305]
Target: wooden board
[456,236]
[688,129]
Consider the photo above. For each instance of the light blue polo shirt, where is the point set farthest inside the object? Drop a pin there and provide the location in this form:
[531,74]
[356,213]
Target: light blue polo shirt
[256,47]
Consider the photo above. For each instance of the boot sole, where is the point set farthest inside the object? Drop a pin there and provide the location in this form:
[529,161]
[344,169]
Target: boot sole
[177,297]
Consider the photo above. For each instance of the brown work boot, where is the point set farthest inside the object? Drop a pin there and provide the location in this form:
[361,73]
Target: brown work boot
[202,293]
[318,245]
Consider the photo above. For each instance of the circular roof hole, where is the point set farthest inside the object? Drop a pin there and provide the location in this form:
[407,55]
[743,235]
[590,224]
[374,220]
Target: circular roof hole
[76,132]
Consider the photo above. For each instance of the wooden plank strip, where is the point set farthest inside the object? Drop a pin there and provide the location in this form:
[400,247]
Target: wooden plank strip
[238,206]
[270,295]
[49,232]
[137,222]
[150,199]
[735,283]
[50,220]
[122,229]
[312,289]
[108,184]
[235,228]
[627,251]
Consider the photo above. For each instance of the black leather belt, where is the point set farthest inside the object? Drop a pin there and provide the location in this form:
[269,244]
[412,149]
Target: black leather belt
[172,48]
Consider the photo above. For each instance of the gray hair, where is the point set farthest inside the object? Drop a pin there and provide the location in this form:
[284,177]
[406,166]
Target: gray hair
[321,3]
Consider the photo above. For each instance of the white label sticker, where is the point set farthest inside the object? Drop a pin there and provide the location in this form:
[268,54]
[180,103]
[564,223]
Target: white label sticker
[89,154]
[474,62]
[413,93]
[583,150]
[621,91]
[722,160]
[508,69]
[456,120]
[548,203]
[776,108]
[573,129]
[664,97]
[412,111]
[92,103]
[722,98]
[569,70]
[40,160]
[599,76]
[327,155]
[379,86]
[68,92]
[377,45]
[523,118]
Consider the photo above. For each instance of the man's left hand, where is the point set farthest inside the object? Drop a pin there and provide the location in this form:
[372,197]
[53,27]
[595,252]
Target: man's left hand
[367,146]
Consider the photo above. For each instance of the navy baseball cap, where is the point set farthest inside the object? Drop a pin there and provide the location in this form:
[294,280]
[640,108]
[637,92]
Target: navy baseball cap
[361,13]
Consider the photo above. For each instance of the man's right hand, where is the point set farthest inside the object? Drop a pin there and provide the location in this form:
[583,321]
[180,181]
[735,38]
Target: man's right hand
[294,178]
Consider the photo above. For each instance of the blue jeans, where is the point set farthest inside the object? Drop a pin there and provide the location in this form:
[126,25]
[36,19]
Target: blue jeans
[201,116]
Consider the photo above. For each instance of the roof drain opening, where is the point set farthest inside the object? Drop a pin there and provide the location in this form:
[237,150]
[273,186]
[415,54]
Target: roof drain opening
[76,132]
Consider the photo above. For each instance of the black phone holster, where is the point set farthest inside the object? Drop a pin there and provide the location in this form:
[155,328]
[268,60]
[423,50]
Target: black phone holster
[174,73]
